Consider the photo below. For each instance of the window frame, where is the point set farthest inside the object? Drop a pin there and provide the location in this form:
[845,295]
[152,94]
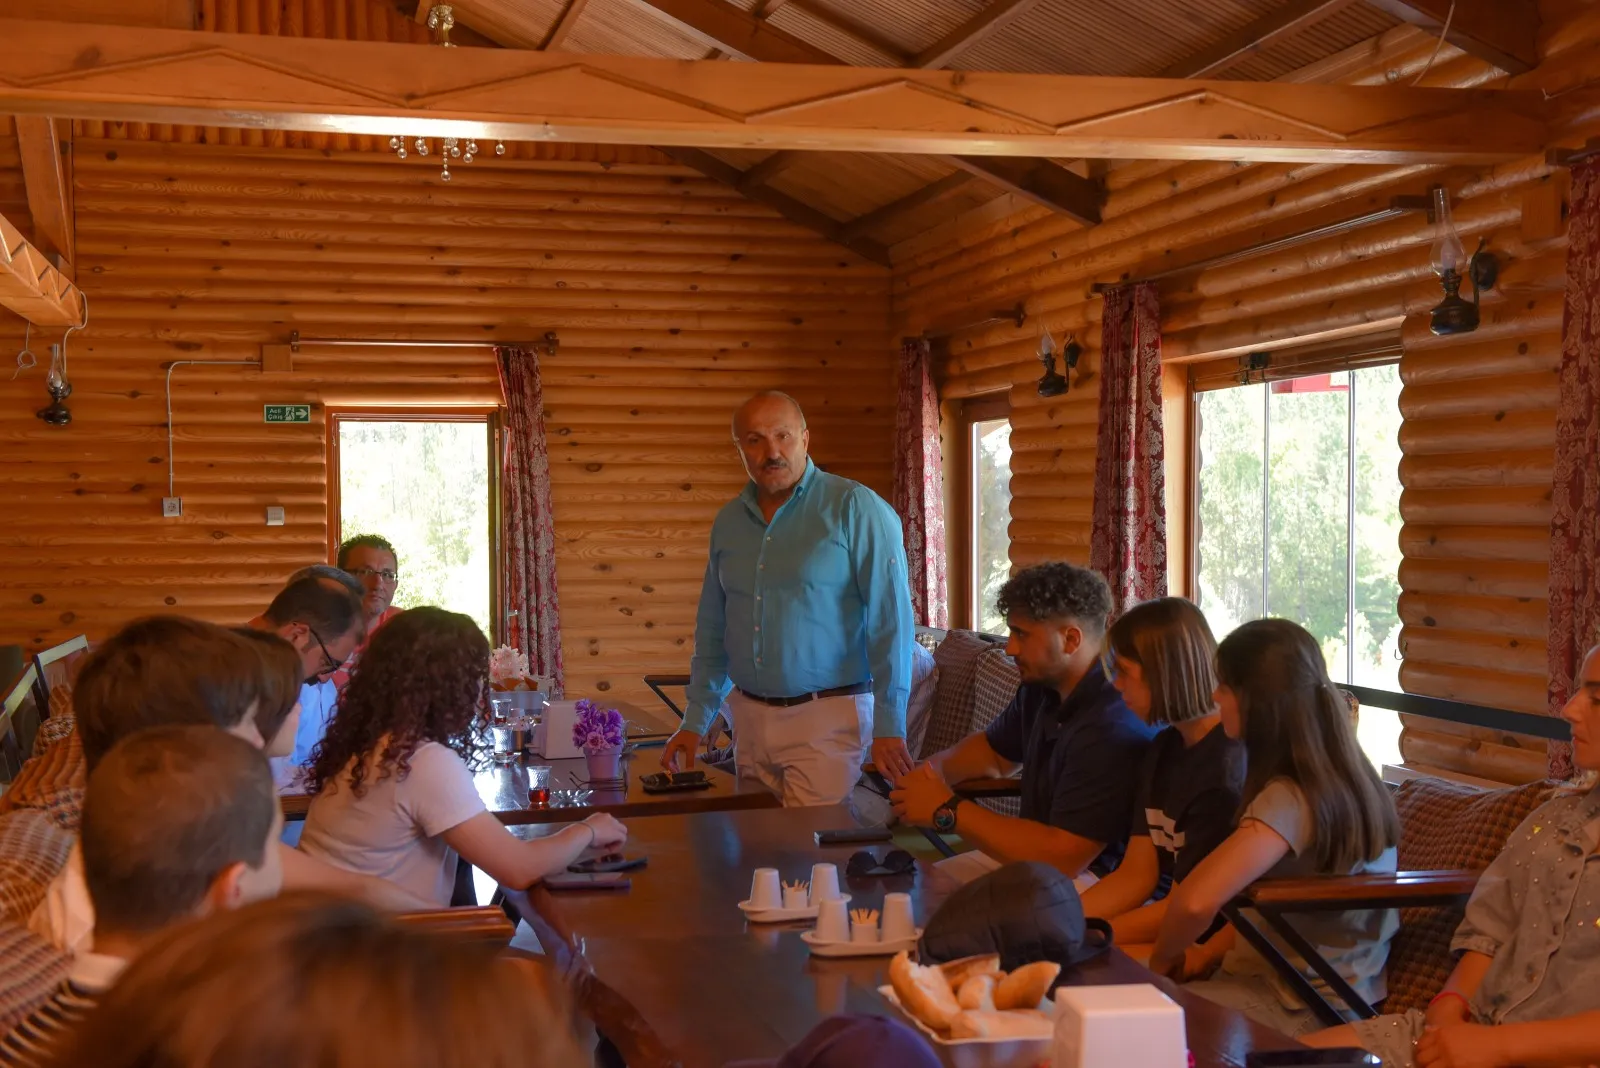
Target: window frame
[487,414]
[961,491]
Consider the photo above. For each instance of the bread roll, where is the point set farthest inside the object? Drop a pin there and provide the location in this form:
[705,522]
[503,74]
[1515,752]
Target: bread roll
[924,992]
[959,971]
[1027,986]
[977,993]
[1021,1024]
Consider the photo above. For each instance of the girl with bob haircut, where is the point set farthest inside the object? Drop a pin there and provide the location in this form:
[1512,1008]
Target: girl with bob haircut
[1311,805]
[1161,657]
[394,795]
[277,705]
[311,979]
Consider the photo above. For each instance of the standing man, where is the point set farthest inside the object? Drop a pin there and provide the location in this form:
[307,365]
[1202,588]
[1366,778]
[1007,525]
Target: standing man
[805,616]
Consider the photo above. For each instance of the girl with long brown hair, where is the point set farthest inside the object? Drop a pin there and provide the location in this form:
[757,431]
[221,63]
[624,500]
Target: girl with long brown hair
[1312,804]
[1161,657]
[393,784]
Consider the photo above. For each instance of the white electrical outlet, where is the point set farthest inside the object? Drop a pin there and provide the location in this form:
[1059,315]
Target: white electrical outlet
[274,516]
[171,507]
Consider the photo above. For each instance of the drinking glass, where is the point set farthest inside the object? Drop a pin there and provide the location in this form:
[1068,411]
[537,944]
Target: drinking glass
[505,742]
[539,786]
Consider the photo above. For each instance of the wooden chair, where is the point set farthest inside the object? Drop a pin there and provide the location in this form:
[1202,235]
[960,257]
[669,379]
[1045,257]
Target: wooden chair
[19,721]
[486,923]
[59,665]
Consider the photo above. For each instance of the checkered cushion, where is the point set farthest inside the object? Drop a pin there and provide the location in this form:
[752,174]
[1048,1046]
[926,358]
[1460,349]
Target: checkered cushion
[30,974]
[924,688]
[994,685]
[1445,825]
[53,779]
[33,847]
[951,721]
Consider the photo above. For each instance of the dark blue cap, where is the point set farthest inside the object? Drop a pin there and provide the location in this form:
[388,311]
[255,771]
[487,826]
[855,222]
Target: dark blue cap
[855,1041]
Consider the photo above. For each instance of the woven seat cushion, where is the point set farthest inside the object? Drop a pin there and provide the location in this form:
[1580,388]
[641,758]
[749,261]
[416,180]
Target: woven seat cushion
[1446,826]
[957,661]
[32,971]
[994,686]
[33,847]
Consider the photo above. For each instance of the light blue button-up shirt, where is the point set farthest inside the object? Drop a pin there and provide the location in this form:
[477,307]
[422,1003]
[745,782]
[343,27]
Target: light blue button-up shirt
[815,600]
[318,702]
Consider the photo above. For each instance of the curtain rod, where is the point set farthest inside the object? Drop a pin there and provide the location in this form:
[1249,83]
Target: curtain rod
[1397,206]
[1566,157]
[550,341]
[1017,315]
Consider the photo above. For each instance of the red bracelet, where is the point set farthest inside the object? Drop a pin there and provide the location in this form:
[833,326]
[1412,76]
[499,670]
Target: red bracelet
[1441,995]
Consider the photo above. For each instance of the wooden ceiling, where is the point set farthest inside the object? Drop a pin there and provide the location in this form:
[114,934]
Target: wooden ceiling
[875,201]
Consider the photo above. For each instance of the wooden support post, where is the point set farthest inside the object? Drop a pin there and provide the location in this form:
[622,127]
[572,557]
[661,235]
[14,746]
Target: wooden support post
[1040,181]
[44,173]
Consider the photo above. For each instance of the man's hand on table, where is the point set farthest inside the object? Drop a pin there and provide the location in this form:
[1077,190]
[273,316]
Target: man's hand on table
[892,758]
[918,793]
[679,752]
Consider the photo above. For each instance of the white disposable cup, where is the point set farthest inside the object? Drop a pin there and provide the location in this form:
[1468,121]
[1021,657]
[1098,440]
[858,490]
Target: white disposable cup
[794,897]
[898,922]
[766,892]
[824,883]
[833,921]
[864,932]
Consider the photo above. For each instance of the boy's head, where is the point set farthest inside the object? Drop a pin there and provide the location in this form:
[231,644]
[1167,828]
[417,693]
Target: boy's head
[165,670]
[178,821]
[277,716]
[1057,615]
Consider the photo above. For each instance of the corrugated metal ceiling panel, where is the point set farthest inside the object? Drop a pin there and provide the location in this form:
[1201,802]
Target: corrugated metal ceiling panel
[1333,34]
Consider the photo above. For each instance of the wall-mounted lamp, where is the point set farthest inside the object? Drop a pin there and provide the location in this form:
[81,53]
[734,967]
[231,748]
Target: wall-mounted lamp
[1453,314]
[1052,384]
[56,384]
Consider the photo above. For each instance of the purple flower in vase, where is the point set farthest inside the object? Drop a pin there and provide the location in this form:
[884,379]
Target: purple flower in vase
[596,728]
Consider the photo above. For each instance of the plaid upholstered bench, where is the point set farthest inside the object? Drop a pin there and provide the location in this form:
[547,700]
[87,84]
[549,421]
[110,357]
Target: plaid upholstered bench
[976,681]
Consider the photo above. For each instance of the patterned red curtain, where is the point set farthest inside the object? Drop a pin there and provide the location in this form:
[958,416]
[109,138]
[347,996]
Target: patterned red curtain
[529,523]
[1128,540]
[919,482]
[1574,531]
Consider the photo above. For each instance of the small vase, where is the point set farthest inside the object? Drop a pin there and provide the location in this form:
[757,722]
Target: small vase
[604,764]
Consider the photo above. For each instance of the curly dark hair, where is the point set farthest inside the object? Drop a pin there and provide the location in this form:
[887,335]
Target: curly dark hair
[366,541]
[421,679]
[1048,592]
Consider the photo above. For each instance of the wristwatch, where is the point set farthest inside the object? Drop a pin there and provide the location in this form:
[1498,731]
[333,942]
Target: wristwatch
[944,817]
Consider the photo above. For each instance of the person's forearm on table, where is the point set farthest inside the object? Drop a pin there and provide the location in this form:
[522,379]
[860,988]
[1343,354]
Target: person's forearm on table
[971,758]
[1008,839]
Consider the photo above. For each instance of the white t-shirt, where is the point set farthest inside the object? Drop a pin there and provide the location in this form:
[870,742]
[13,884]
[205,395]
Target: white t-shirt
[393,829]
[65,918]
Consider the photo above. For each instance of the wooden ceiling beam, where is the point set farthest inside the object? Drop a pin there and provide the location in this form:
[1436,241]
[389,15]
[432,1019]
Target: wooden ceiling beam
[991,20]
[796,212]
[920,198]
[44,175]
[1279,25]
[768,169]
[765,8]
[563,25]
[1502,32]
[1041,181]
[31,286]
[290,83]
[164,14]
[719,24]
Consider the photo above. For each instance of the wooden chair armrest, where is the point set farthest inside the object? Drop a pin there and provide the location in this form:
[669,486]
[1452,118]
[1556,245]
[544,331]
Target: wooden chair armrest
[976,788]
[482,923]
[1338,892]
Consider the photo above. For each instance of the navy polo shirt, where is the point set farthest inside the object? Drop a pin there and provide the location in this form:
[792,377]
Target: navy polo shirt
[1080,759]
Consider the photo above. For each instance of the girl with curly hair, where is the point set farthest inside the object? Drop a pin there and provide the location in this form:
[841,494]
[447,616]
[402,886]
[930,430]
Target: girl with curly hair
[394,791]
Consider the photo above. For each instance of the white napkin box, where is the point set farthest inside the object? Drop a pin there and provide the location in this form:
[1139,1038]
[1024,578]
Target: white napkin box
[552,738]
[1134,1024]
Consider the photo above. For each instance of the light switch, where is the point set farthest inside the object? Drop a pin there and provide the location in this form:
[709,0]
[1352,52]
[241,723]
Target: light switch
[274,516]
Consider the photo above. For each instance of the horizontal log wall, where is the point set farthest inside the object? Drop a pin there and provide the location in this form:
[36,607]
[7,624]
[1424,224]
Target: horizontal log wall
[673,297]
[1478,410]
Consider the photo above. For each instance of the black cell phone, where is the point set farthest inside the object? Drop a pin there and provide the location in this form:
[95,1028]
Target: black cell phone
[854,835]
[608,862]
[670,782]
[1343,1057]
[604,880]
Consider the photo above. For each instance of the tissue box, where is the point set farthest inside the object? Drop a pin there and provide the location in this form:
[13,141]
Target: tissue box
[552,738]
[1109,1025]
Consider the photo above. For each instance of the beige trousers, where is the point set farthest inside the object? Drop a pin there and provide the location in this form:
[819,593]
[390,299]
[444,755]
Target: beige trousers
[806,754]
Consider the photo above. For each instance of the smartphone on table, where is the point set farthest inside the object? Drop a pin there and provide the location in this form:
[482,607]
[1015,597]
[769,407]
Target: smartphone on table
[609,862]
[602,880]
[1343,1057]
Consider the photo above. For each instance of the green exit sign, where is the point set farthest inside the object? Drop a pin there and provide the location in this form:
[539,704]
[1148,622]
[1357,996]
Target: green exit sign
[286,413]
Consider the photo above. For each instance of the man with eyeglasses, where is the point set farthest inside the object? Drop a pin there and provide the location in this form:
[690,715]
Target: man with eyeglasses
[373,563]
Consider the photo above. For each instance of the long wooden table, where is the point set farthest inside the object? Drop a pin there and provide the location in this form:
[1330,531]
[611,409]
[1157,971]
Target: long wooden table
[715,988]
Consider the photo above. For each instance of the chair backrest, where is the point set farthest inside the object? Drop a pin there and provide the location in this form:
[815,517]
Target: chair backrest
[953,705]
[59,665]
[19,722]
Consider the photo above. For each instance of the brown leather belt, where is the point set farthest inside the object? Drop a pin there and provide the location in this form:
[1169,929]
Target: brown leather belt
[789,702]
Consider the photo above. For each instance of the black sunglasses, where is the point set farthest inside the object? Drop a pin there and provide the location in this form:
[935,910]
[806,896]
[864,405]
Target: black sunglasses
[866,864]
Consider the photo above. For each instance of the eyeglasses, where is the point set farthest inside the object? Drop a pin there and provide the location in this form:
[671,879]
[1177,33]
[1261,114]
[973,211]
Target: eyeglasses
[384,574]
[327,657]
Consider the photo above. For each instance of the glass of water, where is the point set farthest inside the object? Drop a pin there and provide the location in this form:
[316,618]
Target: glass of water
[507,735]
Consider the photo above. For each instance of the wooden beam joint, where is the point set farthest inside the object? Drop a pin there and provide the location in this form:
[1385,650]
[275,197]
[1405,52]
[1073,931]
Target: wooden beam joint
[1041,181]
[1502,32]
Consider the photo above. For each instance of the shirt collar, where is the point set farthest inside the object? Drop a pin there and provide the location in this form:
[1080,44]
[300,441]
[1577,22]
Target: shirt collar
[95,972]
[748,494]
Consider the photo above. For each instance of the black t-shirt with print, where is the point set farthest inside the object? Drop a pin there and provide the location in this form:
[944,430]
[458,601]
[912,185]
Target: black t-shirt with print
[1188,799]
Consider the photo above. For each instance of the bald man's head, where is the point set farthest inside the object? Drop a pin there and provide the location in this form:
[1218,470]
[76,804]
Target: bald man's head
[770,430]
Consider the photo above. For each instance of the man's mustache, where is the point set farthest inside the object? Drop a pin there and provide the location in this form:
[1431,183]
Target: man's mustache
[775,465]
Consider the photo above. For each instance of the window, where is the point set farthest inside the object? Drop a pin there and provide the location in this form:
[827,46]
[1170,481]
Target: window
[1297,514]
[422,481]
[980,477]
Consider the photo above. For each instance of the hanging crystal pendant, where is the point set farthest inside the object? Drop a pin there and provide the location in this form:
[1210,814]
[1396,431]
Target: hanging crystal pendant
[499,148]
[422,146]
[444,173]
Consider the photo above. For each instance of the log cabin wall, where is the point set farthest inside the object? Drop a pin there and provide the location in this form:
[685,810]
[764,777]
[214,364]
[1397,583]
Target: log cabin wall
[673,297]
[1478,409]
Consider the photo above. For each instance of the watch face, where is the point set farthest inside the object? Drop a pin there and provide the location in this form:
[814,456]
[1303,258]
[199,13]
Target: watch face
[944,819]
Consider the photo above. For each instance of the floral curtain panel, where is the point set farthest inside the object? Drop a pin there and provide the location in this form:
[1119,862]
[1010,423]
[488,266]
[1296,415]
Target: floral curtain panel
[1128,539]
[919,482]
[530,536]
[1574,529]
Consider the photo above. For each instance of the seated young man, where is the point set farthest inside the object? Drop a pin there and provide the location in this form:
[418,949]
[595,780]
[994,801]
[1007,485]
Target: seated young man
[162,671]
[1078,744]
[1523,992]
[178,822]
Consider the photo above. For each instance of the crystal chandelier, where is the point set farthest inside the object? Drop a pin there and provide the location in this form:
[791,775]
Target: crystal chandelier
[441,20]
